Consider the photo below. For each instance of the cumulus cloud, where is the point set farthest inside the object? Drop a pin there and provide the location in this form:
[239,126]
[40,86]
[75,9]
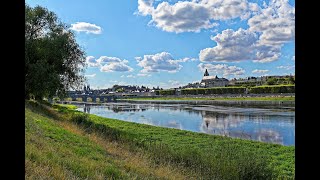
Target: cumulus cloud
[90,75]
[269,28]
[260,71]
[145,7]
[276,22]
[223,69]
[159,62]
[116,66]
[286,67]
[92,62]
[231,46]
[86,27]
[109,64]
[293,58]
[235,46]
[192,16]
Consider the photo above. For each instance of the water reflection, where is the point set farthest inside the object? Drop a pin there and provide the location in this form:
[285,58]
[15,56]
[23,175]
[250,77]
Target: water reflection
[267,125]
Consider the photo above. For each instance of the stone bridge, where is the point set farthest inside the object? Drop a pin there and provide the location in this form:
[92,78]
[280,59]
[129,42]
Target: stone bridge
[84,97]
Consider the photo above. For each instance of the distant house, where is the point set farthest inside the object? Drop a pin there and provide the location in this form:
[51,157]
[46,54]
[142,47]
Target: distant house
[213,81]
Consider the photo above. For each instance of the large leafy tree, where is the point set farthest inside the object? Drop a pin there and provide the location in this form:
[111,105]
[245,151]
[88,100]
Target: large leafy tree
[54,62]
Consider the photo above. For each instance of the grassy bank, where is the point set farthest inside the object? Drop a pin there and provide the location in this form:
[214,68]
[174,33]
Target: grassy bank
[198,154]
[55,148]
[220,98]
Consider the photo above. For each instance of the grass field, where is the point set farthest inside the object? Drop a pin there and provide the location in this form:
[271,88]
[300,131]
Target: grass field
[52,145]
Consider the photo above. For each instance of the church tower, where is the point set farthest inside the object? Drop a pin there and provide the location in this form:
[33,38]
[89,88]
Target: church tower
[206,73]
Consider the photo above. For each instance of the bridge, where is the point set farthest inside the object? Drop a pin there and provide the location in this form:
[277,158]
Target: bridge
[84,97]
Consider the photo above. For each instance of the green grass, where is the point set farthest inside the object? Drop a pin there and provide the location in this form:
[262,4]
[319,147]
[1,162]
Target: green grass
[285,98]
[206,155]
[52,151]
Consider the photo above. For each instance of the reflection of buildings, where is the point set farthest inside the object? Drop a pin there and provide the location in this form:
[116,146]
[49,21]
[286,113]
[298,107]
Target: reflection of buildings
[126,108]
[269,135]
[218,123]
[231,125]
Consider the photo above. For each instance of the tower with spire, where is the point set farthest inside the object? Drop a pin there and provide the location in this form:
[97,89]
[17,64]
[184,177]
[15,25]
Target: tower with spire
[206,73]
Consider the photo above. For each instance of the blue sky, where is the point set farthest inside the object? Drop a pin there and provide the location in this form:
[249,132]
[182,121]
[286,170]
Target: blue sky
[170,43]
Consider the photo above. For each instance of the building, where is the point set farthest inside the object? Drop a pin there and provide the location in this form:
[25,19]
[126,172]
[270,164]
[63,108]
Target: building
[213,81]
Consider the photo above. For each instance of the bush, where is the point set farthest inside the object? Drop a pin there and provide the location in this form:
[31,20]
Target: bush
[167,92]
[273,89]
[218,90]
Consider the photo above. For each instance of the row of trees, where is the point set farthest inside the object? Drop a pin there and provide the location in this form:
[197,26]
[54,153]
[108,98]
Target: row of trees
[232,90]
[54,62]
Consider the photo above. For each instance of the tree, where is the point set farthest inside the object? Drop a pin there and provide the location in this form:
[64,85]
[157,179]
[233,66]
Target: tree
[271,81]
[291,80]
[54,62]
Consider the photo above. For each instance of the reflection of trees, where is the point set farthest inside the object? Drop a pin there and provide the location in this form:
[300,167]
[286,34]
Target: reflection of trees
[86,109]
[127,107]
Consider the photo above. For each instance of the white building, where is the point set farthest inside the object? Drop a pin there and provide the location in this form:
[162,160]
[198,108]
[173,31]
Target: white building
[213,81]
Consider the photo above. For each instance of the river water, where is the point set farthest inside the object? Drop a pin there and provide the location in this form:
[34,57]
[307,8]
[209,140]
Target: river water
[273,125]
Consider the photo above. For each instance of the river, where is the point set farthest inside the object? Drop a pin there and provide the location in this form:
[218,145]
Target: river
[267,124]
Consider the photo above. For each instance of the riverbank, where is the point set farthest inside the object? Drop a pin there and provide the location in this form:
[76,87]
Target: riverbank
[202,154]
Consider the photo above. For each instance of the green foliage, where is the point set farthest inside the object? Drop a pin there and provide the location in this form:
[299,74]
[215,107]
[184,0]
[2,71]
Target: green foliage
[53,60]
[167,92]
[273,89]
[217,90]
[271,81]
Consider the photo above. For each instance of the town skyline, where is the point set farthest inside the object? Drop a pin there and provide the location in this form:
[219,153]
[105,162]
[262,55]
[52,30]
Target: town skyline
[150,43]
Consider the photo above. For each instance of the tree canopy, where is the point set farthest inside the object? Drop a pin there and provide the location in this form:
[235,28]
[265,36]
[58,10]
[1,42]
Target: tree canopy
[54,62]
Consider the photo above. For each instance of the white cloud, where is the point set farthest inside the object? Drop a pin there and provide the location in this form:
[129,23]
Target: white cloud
[231,46]
[86,27]
[286,67]
[116,66]
[158,62]
[223,69]
[90,75]
[235,46]
[192,16]
[106,59]
[91,61]
[276,22]
[293,58]
[143,75]
[260,71]
[145,7]
[269,29]
[186,59]
[109,64]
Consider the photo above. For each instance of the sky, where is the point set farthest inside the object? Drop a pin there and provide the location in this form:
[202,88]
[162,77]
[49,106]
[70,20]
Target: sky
[170,43]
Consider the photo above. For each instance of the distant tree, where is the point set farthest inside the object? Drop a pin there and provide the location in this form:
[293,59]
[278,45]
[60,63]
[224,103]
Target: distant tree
[54,62]
[291,80]
[271,81]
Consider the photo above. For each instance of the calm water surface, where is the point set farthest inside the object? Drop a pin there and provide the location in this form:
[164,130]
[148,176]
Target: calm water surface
[268,125]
